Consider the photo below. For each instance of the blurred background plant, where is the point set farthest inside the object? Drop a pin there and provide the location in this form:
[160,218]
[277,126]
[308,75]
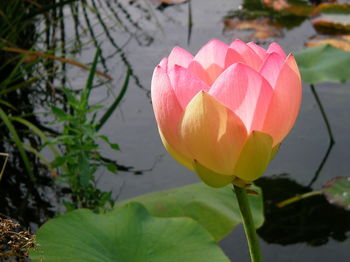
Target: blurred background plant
[81,157]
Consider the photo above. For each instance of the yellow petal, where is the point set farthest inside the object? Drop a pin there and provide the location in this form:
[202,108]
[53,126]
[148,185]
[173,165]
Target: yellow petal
[275,150]
[255,156]
[210,177]
[212,134]
[183,160]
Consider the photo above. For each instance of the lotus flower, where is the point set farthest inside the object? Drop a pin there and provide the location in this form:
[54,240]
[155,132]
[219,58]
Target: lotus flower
[224,112]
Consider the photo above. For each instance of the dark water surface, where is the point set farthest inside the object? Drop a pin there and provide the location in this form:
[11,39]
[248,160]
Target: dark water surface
[134,127]
[311,230]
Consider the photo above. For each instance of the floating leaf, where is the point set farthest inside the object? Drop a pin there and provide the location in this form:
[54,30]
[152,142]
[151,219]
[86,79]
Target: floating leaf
[277,5]
[112,167]
[295,7]
[216,209]
[125,234]
[333,19]
[341,42]
[260,28]
[337,191]
[324,64]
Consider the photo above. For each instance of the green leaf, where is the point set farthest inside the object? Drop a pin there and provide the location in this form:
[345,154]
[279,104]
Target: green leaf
[105,197]
[94,108]
[128,234]
[324,64]
[216,209]
[112,167]
[71,98]
[59,161]
[112,145]
[85,171]
[104,138]
[59,113]
[337,191]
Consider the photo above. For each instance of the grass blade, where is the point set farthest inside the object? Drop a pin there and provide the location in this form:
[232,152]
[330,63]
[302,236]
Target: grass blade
[18,143]
[116,102]
[37,54]
[4,164]
[36,131]
[90,81]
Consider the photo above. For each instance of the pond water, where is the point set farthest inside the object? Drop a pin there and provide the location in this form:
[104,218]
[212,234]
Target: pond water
[311,230]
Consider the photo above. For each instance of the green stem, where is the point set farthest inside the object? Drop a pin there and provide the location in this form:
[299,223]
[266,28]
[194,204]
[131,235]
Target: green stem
[298,197]
[249,228]
[323,113]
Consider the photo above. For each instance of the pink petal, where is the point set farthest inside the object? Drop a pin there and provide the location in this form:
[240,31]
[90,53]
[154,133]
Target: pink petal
[167,109]
[261,52]
[212,133]
[210,58]
[293,65]
[249,55]
[179,56]
[245,92]
[232,57]
[164,64]
[285,103]
[271,67]
[274,47]
[197,69]
[185,84]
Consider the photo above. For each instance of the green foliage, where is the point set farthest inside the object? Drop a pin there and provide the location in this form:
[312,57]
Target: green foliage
[18,142]
[11,84]
[337,191]
[324,64]
[125,234]
[216,209]
[81,156]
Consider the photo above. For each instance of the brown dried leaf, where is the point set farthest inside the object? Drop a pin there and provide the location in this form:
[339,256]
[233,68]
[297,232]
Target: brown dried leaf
[332,19]
[261,28]
[300,9]
[342,42]
[14,241]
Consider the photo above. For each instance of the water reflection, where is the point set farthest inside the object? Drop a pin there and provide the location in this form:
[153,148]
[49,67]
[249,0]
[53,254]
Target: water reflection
[262,20]
[313,220]
[321,165]
[28,81]
[23,195]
